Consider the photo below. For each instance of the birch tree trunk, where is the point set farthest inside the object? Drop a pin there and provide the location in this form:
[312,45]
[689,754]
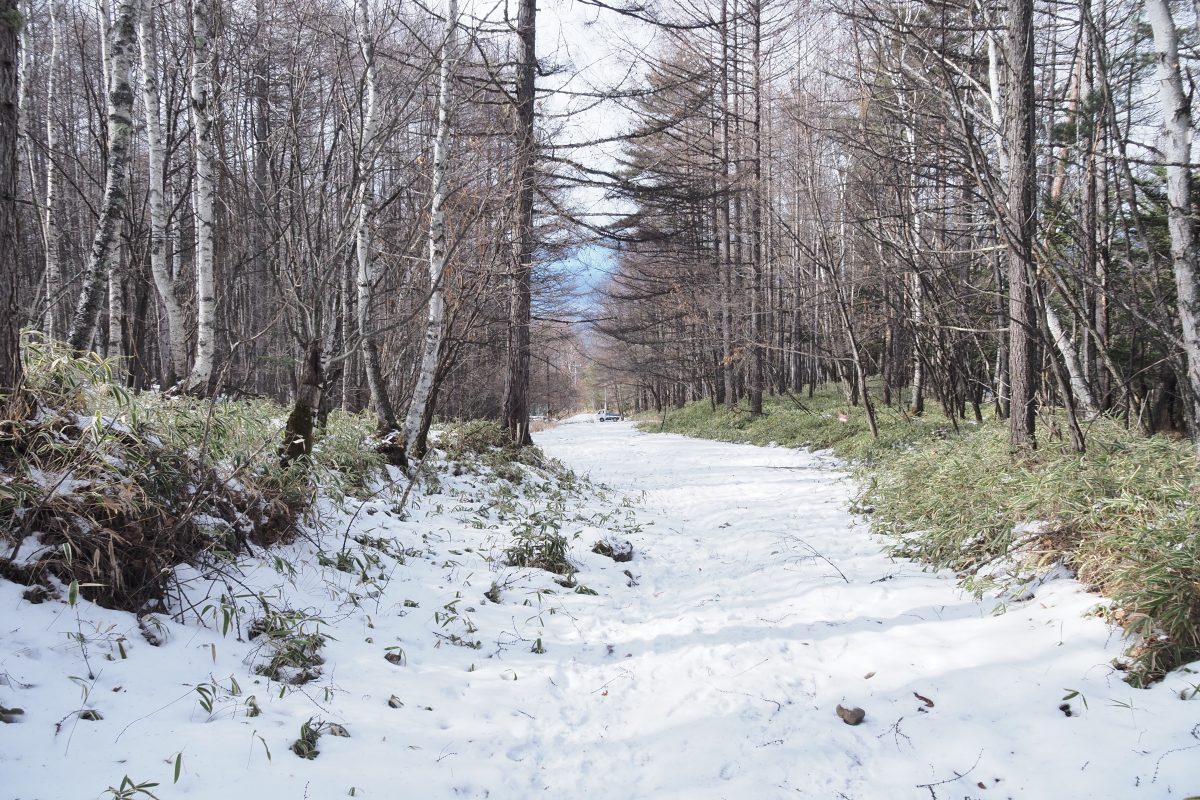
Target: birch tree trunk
[203,56]
[121,43]
[160,241]
[1176,147]
[364,246]
[10,273]
[413,422]
[515,411]
[55,317]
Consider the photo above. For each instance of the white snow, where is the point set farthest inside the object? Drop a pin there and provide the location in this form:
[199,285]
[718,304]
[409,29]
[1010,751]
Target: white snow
[757,604]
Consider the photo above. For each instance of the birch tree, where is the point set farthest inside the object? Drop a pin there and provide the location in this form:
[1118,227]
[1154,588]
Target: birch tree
[160,241]
[55,322]
[435,325]
[1176,147]
[368,273]
[122,38]
[203,67]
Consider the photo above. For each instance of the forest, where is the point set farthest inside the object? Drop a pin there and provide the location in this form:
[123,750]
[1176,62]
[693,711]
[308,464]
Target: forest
[309,312]
[975,204]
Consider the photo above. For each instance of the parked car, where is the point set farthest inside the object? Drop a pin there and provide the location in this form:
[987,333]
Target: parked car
[604,415]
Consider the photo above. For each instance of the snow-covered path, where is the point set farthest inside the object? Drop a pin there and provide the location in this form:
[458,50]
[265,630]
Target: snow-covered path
[762,606]
[753,606]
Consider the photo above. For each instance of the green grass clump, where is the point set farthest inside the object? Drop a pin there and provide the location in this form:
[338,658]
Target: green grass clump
[824,421]
[1124,516]
[538,542]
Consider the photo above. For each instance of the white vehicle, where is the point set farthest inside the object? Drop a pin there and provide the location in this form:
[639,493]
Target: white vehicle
[604,415]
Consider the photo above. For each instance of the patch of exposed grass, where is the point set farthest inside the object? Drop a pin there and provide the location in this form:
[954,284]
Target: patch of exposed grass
[824,421]
[1124,516]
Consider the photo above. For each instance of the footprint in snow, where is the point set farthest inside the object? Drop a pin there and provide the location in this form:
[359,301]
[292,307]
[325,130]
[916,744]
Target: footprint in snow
[519,753]
[730,771]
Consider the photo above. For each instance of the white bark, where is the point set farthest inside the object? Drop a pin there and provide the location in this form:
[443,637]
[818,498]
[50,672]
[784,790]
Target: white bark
[55,324]
[120,44]
[368,271]
[160,240]
[434,328]
[1176,148]
[203,55]
[116,311]
[916,405]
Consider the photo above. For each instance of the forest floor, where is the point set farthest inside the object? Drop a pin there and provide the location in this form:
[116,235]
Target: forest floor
[711,665]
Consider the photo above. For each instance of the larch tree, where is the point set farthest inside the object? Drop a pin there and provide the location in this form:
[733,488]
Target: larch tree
[10,277]
[515,409]
[1021,225]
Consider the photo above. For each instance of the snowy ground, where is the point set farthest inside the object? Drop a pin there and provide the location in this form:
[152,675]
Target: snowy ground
[753,607]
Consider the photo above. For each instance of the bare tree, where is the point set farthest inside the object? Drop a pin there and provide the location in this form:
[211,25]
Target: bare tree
[122,40]
[434,329]
[1177,156]
[515,411]
[10,283]
[204,15]
[160,236]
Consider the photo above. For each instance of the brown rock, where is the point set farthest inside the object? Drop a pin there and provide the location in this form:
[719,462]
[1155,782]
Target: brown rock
[851,716]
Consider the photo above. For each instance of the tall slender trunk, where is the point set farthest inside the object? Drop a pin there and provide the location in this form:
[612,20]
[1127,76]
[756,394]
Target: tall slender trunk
[757,244]
[1021,223]
[725,223]
[10,272]
[437,242]
[160,241]
[121,39]
[368,272]
[1176,149]
[56,322]
[516,377]
[203,59]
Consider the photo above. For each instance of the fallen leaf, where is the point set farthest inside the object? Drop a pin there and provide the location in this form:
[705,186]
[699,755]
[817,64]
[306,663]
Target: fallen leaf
[869,675]
[928,703]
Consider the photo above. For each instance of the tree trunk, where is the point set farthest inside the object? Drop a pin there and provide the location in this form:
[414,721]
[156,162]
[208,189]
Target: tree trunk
[1176,149]
[160,242]
[367,269]
[10,272]
[516,378]
[437,241]
[1021,224]
[121,39]
[203,59]
[56,322]
[298,432]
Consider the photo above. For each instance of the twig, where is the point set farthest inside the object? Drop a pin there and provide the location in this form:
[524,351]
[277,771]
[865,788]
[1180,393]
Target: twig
[821,556]
[957,777]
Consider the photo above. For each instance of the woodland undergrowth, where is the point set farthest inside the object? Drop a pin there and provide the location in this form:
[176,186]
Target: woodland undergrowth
[1123,517]
[104,491]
